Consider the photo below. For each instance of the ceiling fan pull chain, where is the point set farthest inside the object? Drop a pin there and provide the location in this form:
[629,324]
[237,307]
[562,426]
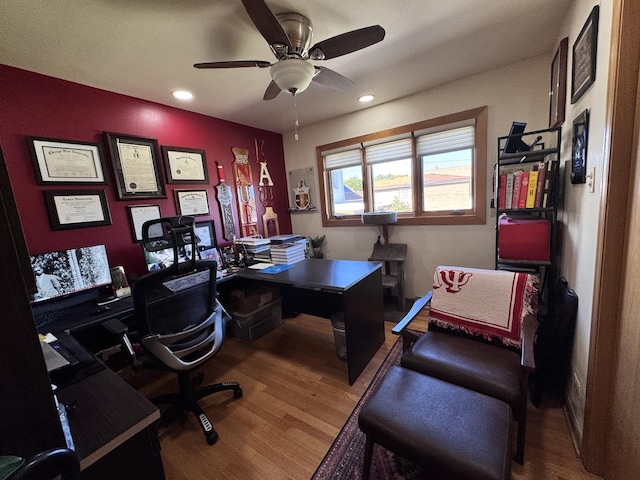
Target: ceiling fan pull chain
[295,118]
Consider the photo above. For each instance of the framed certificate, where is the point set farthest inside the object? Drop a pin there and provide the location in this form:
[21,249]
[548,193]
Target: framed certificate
[135,166]
[185,165]
[77,208]
[66,161]
[138,214]
[192,202]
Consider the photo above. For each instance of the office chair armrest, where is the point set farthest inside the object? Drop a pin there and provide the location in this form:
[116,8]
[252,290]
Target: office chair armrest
[528,334]
[409,337]
[49,464]
[119,329]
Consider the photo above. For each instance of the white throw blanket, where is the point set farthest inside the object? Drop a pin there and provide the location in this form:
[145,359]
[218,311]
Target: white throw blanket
[491,303]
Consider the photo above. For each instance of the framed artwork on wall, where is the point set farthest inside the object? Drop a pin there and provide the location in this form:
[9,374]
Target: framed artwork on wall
[580,136]
[206,232]
[58,161]
[185,165]
[135,166]
[192,202]
[138,214]
[558,87]
[585,48]
[77,208]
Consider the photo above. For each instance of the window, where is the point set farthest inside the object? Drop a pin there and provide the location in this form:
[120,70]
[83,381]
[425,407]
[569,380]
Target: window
[432,172]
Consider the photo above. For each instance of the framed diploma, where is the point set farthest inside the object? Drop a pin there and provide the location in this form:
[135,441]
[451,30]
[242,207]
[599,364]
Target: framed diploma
[206,232]
[135,166]
[66,161]
[138,214]
[185,165]
[192,202]
[77,208]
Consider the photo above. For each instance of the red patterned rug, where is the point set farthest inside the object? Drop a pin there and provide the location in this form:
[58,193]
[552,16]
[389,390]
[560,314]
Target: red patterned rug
[344,458]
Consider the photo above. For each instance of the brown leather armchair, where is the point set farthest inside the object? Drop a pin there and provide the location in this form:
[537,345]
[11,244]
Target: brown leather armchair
[488,348]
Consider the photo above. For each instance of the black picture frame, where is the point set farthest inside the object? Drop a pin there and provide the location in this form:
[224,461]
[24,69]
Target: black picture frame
[558,86]
[206,232]
[77,208]
[579,141]
[60,162]
[138,214]
[135,166]
[585,48]
[192,202]
[185,165]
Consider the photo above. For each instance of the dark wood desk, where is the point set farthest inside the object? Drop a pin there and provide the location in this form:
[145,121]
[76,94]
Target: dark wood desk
[113,428]
[325,287]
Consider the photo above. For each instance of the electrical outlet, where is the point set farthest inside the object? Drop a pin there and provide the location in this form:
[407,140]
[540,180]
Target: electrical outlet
[591,180]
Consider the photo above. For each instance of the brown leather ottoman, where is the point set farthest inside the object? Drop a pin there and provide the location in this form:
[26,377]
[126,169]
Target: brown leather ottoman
[452,432]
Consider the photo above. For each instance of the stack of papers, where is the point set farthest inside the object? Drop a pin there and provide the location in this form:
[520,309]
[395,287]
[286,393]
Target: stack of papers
[287,253]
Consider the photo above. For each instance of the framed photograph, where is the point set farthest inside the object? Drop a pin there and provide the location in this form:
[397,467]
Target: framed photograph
[66,161]
[212,254]
[185,165]
[206,232]
[192,202]
[580,136]
[135,166]
[558,87]
[138,214]
[583,66]
[77,208]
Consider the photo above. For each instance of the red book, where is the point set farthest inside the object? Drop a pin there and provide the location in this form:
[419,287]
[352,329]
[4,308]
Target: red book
[542,170]
[524,187]
[517,184]
[502,196]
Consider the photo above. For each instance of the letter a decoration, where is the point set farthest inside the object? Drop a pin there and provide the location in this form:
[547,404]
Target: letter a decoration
[246,196]
[270,223]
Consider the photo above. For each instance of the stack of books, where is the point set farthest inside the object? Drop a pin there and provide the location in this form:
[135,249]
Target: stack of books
[254,246]
[287,253]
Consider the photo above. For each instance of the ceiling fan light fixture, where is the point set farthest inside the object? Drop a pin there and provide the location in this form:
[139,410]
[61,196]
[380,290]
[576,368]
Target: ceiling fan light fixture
[292,75]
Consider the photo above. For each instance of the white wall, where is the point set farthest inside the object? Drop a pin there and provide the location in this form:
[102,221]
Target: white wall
[516,92]
[581,208]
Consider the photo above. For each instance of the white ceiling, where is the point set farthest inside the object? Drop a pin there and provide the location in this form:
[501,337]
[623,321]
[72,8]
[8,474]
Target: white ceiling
[147,48]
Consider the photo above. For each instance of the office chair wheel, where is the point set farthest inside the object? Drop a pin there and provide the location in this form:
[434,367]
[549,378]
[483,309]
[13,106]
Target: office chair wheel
[237,393]
[212,437]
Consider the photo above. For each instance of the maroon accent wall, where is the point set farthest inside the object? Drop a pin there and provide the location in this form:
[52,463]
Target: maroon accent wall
[36,105]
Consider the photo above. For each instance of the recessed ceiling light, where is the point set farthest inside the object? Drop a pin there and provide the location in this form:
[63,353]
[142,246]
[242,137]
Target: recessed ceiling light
[366,98]
[182,94]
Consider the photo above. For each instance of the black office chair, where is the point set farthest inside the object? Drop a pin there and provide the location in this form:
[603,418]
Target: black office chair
[42,466]
[180,324]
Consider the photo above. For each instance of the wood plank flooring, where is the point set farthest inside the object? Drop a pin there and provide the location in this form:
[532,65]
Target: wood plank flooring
[296,399]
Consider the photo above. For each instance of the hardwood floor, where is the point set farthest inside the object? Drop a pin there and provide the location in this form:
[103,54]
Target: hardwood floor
[296,399]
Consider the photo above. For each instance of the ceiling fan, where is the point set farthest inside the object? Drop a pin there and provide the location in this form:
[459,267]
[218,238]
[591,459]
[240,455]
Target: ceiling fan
[289,37]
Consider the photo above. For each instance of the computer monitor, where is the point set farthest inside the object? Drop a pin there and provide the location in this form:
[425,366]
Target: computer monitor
[65,272]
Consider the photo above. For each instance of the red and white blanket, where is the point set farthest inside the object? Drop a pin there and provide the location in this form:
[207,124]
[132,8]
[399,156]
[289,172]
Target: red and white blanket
[490,303]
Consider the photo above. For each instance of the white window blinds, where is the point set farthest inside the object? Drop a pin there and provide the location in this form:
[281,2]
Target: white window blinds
[347,158]
[445,141]
[389,151]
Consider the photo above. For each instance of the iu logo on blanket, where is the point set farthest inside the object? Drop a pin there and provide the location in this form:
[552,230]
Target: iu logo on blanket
[452,279]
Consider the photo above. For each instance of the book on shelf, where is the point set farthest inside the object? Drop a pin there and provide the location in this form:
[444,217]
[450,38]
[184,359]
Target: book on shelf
[532,189]
[524,188]
[502,196]
[509,191]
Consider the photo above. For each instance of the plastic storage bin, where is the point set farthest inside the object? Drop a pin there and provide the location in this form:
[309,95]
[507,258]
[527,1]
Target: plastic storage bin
[253,325]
